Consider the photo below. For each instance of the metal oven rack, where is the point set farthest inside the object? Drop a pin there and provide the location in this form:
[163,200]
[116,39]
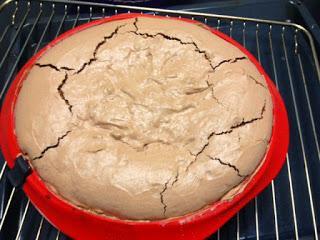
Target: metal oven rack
[289,208]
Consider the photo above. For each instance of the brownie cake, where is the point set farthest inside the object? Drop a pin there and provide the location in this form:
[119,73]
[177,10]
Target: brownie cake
[144,118]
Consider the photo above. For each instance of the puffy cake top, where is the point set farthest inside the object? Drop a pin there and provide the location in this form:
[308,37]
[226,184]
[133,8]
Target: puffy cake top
[144,118]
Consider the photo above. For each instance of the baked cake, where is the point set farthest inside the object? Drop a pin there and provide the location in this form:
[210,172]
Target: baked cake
[144,118]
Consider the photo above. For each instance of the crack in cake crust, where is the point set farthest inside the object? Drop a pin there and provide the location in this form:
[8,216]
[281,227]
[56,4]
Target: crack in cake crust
[241,124]
[165,187]
[105,39]
[229,165]
[54,67]
[196,47]
[61,93]
[52,146]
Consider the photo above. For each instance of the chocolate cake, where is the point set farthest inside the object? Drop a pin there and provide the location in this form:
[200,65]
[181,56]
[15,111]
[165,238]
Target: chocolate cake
[144,118]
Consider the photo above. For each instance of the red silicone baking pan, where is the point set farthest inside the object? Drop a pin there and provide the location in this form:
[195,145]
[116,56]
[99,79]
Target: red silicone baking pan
[81,224]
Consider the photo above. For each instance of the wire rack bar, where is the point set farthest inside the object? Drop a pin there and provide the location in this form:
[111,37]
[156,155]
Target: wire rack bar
[7,208]
[22,220]
[300,135]
[21,52]
[272,183]
[2,170]
[256,198]
[39,229]
[62,20]
[45,29]
[14,38]
[287,156]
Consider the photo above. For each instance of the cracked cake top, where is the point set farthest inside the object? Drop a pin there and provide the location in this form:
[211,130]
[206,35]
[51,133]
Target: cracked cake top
[144,118]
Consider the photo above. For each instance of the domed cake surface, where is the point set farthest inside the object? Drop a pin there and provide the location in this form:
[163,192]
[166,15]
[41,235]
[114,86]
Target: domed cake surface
[144,118]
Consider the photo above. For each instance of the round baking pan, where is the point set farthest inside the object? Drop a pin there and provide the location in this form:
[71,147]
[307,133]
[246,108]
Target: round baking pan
[81,224]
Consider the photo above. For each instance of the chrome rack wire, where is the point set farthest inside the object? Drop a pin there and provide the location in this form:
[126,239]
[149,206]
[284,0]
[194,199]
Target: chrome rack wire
[288,208]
